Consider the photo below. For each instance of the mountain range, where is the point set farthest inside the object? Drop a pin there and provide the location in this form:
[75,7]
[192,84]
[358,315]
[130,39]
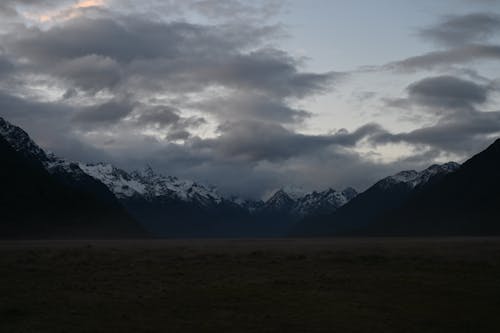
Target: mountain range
[165,206]
[39,200]
[45,196]
[446,200]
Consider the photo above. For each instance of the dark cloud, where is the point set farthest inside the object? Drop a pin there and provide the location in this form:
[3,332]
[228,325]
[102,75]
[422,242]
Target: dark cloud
[249,106]
[463,134]
[465,29]
[178,134]
[448,92]
[160,115]
[461,127]
[442,95]
[127,39]
[217,100]
[6,66]
[105,114]
[90,73]
[466,39]
[263,141]
[136,54]
[167,119]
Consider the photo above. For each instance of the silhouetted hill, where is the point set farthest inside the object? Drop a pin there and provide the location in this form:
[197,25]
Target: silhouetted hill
[466,202]
[385,196]
[35,204]
[452,200]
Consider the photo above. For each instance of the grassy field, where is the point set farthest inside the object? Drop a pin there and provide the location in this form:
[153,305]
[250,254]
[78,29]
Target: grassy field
[334,285]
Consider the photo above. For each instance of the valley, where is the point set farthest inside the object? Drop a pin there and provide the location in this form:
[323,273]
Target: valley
[322,285]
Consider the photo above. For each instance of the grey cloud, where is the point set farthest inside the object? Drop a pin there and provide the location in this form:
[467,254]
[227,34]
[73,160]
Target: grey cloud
[246,106]
[129,38]
[461,127]
[104,114]
[6,66]
[178,134]
[70,93]
[17,108]
[271,70]
[135,54]
[254,175]
[48,124]
[161,115]
[239,82]
[459,30]
[266,71]
[167,119]
[91,73]
[8,7]
[467,133]
[446,58]
[214,10]
[236,9]
[465,39]
[261,141]
[448,92]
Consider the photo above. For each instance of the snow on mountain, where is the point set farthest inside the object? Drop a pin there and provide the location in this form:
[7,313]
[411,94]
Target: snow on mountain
[301,203]
[279,202]
[323,202]
[150,185]
[144,183]
[414,178]
[158,185]
[22,143]
[119,182]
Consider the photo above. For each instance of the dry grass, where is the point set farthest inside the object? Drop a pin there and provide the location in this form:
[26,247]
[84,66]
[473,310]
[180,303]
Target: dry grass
[339,285]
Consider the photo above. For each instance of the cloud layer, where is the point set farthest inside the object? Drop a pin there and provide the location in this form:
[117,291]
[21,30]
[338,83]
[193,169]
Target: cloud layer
[202,94]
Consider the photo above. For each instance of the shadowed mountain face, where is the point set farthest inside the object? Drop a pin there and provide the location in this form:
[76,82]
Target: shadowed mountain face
[44,196]
[442,200]
[38,204]
[165,206]
[466,202]
[375,203]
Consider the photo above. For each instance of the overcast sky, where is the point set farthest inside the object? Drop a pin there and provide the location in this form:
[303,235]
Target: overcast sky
[252,96]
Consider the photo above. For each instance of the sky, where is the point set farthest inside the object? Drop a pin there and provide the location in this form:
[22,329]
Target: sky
[254,96]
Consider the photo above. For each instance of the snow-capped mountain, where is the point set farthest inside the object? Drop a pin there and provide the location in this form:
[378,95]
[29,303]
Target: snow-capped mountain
[299,203]
[323,202]
[43,198]
[150,185]
[376,202]
[413,178]
[145,183]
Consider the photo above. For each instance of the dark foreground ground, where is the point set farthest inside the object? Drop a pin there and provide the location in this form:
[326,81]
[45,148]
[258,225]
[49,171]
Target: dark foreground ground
[335,285]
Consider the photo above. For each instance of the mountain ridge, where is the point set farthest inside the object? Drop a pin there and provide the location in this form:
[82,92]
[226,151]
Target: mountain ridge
[164,203]
[409,202]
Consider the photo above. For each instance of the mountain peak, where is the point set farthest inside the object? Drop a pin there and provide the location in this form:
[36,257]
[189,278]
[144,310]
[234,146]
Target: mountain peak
[294,192]
[414,178]
[349,193]
[21,141]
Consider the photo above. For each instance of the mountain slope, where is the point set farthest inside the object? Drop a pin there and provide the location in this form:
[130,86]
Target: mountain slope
[466,202]
[280,213]
[170,207]
[36,203]
[385,196]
